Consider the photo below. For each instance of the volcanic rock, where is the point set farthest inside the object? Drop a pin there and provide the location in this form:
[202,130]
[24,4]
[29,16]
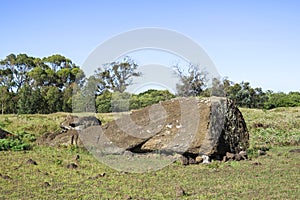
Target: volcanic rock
[208,126]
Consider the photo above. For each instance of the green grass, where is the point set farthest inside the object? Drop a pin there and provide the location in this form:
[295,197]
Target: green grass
[277,177]
[39,124]
[281,126]
[273,176]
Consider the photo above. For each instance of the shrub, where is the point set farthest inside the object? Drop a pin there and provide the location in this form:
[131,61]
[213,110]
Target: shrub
[14,145]
[21,142]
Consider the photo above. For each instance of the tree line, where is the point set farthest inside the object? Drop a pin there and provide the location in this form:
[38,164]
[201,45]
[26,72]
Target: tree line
[37,85]
[56,84]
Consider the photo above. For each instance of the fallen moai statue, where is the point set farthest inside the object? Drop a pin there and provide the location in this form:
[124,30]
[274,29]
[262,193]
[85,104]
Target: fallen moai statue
[191,127]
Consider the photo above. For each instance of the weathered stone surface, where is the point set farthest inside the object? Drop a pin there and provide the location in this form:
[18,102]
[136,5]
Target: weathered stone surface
[210,126]
[199,159]
[69,133]
[189,126]
[221,128]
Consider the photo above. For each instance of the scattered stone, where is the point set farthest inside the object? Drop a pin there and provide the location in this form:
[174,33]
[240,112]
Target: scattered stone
[199,159]
[257,163]
[128,153]
[295,151]
[261,152]
[77,157]
[98,176]
[295,142]
[260,125]
[72,166]
[230,156]
[205,159]
[192,161]
[183,160]
[180,191]
[31,162]
[128,197]
[5,177]
[46,184]
[237,157]
[244,155]
[264,148]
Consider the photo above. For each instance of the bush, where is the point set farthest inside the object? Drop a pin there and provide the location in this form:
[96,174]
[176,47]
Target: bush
[21,142]
[14,145]
[281,99]
[120,102]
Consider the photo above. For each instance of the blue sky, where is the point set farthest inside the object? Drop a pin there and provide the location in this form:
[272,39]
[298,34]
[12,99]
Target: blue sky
[255,41]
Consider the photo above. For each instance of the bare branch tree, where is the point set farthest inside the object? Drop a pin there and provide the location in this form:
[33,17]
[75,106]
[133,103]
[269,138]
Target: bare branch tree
[193,82]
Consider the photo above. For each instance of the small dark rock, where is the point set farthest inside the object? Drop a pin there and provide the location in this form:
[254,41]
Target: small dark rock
[237,157]
[98,176]
[263,148]
[184,160]
[127,197]
[46,184]
[31,162]
[295,151]
[180,191]
[260,125]
[257,163]
[261,152]
[229,155]
[192,161]
[6,177]
[72,166]
[77,157]
[128,153]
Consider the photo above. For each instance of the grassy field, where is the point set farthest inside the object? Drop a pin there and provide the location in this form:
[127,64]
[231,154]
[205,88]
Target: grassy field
[272,176]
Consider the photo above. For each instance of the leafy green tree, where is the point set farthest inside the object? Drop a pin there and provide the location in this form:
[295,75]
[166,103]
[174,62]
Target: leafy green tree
[31,100]
[67,98]
[217,89]
[62,71]
[151,97]
[6,79]
[53,98]
[37,85]
[281,99]
[244,95]
[37,102]
[19,66]
[24,103]
[116,76]
[57,62]
[120,101]
[103,102]
[4,98]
